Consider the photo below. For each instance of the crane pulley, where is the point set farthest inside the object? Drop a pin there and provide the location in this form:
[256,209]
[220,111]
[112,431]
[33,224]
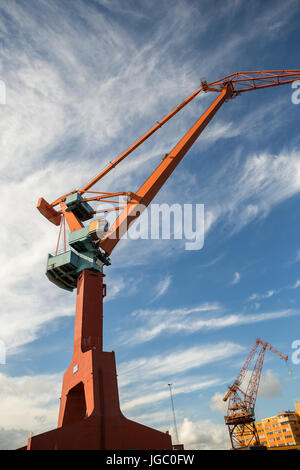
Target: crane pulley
[91,247]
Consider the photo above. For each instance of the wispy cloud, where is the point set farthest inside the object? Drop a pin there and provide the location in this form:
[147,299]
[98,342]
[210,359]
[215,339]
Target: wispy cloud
[236,279]
[162,287]
[82,85]
[151,398]
[175,362]
[213,261]
[266,295]
[270,385]
[260,182]
[143,381]
[202,435]
[272,292]
[28,404]
[217,403]
[187,321]
[70,121]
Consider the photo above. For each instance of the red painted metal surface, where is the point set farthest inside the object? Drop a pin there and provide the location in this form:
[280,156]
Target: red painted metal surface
[90,417]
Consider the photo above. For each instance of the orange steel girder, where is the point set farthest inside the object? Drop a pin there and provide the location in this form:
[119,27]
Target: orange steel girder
[243,430]
[150,188]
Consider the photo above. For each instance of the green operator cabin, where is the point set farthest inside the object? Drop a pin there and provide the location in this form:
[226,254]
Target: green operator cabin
[63,269]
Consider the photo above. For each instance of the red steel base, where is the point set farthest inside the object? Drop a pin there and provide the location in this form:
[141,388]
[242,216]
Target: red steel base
[90,417]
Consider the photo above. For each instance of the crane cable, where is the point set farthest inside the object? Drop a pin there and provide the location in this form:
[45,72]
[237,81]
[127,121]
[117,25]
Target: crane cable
[289,370]
[62,227]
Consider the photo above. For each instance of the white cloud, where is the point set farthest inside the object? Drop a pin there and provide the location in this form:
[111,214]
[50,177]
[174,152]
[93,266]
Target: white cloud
[202,435]
[146,369]
[270,385]
[143,381]
[259,183]
[171,322]
[31,403]
[213,261]
[154,398]
[120,286]
[217,403]
[236,279]
[61,101]
[162,287]
[67,95]
[272,292]
[63,121]
[266,295]
[27,404]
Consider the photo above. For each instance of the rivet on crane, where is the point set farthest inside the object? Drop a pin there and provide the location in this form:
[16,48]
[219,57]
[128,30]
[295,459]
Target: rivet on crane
[90,416]
[241,397]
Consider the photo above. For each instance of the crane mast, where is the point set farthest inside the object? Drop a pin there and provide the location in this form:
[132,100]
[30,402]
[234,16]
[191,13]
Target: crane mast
[240,417]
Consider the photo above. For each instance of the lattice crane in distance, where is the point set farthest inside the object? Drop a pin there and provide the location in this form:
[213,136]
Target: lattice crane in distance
[240,417]
[89,415]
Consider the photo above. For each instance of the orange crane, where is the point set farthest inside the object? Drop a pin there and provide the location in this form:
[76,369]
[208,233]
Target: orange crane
[240,417]
[75,208]
[90,416]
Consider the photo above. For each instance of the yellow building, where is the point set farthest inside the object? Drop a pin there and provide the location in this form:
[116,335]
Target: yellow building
[281,430]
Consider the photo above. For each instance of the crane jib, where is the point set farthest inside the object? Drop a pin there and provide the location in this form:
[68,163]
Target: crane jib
[75,209]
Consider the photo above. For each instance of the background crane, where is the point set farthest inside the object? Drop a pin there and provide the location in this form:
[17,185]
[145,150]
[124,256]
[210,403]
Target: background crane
[240,417]
[90,415]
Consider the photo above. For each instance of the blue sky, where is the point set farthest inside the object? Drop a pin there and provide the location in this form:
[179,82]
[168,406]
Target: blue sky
[84,80]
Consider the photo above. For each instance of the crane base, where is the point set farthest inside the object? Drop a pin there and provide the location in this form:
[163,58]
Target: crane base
[89,416]
[106,428]
[87,435]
